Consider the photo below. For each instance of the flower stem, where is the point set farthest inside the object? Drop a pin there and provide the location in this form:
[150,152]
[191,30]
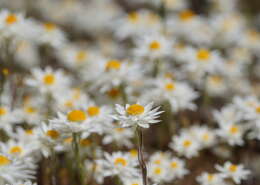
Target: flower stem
[75,147]
[141,156]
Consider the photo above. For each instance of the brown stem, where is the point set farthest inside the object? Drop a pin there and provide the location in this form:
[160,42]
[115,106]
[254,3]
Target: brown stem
[141,156]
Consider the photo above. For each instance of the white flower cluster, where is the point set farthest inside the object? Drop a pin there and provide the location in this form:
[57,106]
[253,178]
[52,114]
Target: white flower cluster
[159,94]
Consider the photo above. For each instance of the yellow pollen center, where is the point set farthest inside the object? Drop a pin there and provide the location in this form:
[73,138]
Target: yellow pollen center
[158,171]
[85,142]
[133,153]
[113,93]
[155,45]
[232,168]
[93,111]
[120,161]
[133,17]
[11,19]
[76,116]
[81,56]
[49,79]
[119,129]
[68,140]
[5,71]
[216,79]
[30,110]
[258,109]
[4,160]
[3,111]
[29,132]
[15,150]
[53,134]
[234,130]
[49,26]
[135,109]
[186,15]
[203,55]
[174,165]
[186,143]
[69,103]
[158,161]
[113,64]
[210,177]
[169,86]
[205,137]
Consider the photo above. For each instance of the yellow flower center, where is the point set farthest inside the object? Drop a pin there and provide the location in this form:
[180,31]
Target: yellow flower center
[81,56]
[93,111]
[135,184]
[69,103]
[30,110]
[133,153]
[119,129]
[174,165]
[187,143]
[4,160]
[216,79]
[133,17]
[113,65]
[158,161]
[5,71]
[169,86]
[233,168]
[11,19]
[258,109]
[15,150]
[234,130]
[49,26]
[49,79]
[158,171]
[76,116]
[85,142]
[68,140]
[53,134]
[205,137]
[155,45]
[3,111]
[203,55]
[120,161]
[210,177]
[186,15]
[135,109]
[29,132]
[113,93]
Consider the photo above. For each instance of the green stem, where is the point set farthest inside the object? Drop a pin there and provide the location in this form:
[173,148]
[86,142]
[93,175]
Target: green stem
[78,168]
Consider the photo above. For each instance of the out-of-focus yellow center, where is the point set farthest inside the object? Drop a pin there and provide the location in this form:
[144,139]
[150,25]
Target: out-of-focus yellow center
[203,55]
[135,109]
[133,152]
[174,165]
[69,103]
[93,111]
[30,110]
[15,150]
[53,134]
[113,65]
[29,132]
[158,161]
[113,93]
[3,111]
[155,45]
[186,15]
[232,168]
[216,79]
[68,140]
[133,17]
[4,160]
[119,129]
[210,177]
[5,71]
[205,137]
[234,130]
[76,116]
[169,86]
[158,171]
[11,19]
[49,26]
[49,79]
[85,142]
[187,143]
[81,56]
[257,109]
[120,161]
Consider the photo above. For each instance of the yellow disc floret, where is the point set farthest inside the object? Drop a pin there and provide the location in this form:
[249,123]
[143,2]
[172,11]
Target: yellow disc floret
[76,116]
[11,19]
[4,160]
[3,111]
[113,64]
[155,45]
[203,55]
[232,168]
[49,79]
[53,134]
[15,150]
[93,111]
[120,161]
[135,109]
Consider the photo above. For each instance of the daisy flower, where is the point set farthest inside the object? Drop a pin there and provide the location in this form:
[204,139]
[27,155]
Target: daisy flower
[233,171]
[210,179]
[137,115]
